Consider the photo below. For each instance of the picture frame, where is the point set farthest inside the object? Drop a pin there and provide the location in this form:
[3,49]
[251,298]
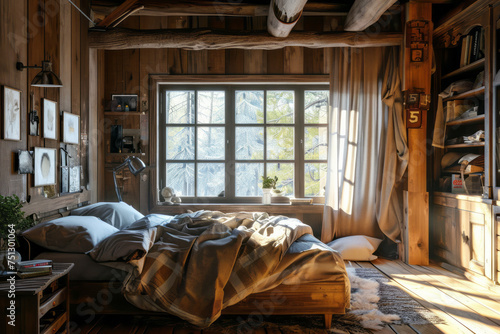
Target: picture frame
[45,166]
[124,103]
[25,162]
[49,119]
[71,128]
[11,113]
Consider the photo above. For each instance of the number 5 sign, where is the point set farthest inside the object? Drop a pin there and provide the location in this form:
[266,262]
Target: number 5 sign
[413,118]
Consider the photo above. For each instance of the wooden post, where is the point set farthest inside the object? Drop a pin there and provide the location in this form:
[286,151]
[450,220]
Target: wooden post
[417,76]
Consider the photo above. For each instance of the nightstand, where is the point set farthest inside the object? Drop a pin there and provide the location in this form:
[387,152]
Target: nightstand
[41,304]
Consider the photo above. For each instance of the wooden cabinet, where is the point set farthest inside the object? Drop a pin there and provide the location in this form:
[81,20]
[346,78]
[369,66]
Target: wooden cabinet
[460,232]
[41,304]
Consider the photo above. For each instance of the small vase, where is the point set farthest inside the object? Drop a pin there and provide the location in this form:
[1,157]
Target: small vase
[266,196]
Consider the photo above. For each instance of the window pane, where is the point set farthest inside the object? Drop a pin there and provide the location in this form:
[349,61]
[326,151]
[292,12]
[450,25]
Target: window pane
[315,179]
[249,107]
[210,179]
[180,107]
[180,177]
[315,147]
[285,174]
[248,179]
[211,143]
[316,107]
[249,143]
[280,142]
[280,107]
[211,107]
[180,143]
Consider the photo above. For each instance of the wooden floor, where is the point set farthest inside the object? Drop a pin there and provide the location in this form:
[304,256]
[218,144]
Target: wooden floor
[465,306]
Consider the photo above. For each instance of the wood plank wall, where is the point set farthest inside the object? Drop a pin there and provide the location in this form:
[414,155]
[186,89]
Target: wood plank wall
[32,31]
[127,72]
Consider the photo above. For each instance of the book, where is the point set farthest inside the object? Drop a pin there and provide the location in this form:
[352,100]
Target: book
[30,274]
[34,269]
[33,263]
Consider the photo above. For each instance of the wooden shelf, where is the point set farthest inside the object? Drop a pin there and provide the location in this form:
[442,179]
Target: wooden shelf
[472,120]
[470,93]
[465,145]
[478,64]
[126,154]
[123,113]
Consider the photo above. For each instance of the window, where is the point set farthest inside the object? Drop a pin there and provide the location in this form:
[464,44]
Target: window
[216,142]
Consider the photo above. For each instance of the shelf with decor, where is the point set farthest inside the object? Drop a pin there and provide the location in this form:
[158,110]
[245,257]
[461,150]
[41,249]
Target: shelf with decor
[123,113]
[462,172]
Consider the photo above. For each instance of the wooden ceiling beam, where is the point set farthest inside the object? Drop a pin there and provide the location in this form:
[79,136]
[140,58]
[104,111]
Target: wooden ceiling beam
[119,14]
[364,13]
[204,8]
[202,39]
[283,15]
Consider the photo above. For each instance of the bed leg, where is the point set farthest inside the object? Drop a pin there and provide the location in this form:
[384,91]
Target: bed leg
[328,320]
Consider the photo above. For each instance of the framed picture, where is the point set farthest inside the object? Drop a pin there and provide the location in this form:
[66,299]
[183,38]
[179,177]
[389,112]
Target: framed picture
[49,119]
[11,113]
[71,128]
[124,102]
[25,162]
[45,166]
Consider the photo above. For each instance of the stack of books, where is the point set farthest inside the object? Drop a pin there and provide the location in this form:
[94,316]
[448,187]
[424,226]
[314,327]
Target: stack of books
[33,268]
[472,46]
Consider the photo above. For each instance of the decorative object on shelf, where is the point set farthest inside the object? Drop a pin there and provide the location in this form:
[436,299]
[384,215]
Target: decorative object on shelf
[268,184]
[46,78]
[33,117]
[45,166]
[11,113]
[176,200]
[300,201]
[116,140]
[25,162]
[134,164]
[167,193]
[49,119]
[71,128]
[417,39]
[124,102]
[70,179]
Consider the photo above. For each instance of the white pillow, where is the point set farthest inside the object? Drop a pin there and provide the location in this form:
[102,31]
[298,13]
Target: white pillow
[72,234]
[118,214]
[356,247]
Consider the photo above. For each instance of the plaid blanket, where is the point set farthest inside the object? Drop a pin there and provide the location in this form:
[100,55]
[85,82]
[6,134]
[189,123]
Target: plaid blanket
[202,262]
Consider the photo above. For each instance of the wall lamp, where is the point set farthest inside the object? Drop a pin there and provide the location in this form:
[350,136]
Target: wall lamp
[46,78]
[134,164]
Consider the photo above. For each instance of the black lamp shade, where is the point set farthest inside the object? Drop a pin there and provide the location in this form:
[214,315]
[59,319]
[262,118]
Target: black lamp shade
[46,78]
[136,165]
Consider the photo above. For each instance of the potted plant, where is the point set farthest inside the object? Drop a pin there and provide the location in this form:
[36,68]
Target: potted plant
[12,221]
[268,184]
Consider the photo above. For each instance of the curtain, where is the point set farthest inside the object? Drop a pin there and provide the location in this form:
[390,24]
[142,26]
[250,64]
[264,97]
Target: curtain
[367,145]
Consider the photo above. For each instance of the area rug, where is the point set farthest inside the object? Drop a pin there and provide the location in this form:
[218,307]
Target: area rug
[374,304]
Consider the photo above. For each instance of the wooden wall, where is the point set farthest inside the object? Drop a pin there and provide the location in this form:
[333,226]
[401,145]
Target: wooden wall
[32,31]
[127,72]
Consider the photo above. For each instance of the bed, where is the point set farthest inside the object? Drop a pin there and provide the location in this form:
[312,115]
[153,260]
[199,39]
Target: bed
[196,266]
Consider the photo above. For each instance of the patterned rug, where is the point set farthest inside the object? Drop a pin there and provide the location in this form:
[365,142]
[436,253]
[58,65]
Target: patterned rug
[392,305]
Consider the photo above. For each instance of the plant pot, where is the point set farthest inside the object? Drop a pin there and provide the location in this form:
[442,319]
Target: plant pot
[266,196]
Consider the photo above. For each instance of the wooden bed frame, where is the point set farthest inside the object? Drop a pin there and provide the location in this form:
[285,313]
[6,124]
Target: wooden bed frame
[104,297]
[325,298]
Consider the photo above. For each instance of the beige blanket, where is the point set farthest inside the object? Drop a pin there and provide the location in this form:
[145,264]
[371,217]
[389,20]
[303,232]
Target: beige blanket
[205,261]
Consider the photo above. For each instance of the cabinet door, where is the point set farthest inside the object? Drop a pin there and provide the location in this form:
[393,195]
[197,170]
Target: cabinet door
[444,233]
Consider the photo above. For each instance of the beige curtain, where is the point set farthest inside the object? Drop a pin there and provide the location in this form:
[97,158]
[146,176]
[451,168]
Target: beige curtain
[367,148]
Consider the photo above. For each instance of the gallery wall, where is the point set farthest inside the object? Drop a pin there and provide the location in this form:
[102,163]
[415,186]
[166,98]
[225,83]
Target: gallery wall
[32,31]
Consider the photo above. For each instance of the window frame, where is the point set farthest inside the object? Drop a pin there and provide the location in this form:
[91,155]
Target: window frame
[161,83]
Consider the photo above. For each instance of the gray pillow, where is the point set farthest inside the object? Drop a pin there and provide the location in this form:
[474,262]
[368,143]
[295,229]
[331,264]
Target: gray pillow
[124,245]
[149,221]
[72,234]
[117,214]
